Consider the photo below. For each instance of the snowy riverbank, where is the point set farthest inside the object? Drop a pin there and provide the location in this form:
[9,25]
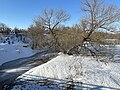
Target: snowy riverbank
[9,52]
[78,68]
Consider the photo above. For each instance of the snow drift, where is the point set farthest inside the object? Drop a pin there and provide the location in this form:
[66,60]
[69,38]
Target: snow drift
[78,68]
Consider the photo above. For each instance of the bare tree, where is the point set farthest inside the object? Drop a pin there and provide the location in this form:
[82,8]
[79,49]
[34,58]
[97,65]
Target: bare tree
[4,29]
[51,19]
[98,16]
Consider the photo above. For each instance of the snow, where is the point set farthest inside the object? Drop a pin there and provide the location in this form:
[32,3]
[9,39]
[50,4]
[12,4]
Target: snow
[15,70]
[87,70]
[9,52]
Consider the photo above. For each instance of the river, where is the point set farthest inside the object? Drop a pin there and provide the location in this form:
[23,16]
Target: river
[9,71]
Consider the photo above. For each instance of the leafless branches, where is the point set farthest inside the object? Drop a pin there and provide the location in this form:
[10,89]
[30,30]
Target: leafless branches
[98,17]
[50,20]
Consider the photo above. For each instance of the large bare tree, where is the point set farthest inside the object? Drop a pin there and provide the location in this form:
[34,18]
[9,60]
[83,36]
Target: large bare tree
[51,19]
[98,16]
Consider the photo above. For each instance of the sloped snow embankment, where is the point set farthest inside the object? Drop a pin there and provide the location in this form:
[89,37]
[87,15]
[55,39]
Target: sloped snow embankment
[10,52]
[83,69]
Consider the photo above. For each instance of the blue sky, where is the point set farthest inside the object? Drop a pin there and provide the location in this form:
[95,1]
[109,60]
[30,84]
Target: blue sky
[20,13]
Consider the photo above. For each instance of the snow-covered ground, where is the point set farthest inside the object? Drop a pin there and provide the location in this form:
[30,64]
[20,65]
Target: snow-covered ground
[93,74]
[9,52]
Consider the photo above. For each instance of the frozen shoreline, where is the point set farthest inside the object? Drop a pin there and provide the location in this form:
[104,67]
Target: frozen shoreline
[81,69]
